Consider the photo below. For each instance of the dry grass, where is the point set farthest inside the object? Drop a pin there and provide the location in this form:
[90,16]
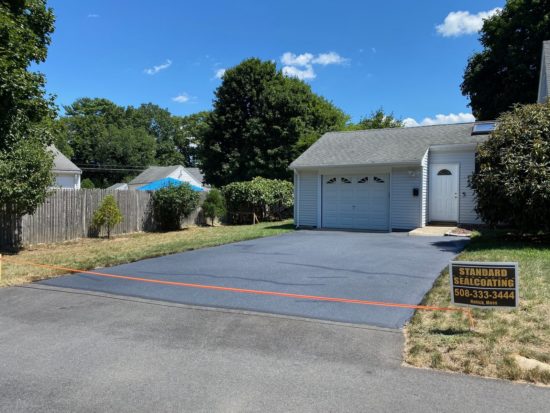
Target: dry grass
[442,340]
[96,253]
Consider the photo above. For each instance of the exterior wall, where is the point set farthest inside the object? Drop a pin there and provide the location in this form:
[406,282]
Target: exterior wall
[67,180]
[424,191]
[406,209]
[306,193]
[543,83]
[182,175]
[466,161]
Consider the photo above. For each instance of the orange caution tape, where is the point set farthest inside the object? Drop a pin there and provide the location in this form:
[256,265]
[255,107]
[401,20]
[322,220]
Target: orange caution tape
[249,291]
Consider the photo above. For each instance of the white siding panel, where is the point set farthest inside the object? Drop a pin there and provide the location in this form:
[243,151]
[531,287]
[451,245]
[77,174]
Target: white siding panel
[424,191]
[466,161]
[307,198]
[406,209]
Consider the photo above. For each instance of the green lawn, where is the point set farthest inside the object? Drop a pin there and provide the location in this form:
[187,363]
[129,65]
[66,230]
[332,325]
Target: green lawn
[95,253]
[442,340]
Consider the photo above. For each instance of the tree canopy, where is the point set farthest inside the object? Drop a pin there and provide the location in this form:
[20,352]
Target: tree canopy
[507,70]
[114,139]
[260,122]
[25,165]
[377,120]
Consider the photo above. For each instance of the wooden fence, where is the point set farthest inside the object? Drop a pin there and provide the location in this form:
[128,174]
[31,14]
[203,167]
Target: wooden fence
[67,215]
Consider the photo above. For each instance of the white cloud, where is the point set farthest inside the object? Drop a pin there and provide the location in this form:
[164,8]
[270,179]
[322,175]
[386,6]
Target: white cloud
[307,73]
[330,58]
[290,59]
[219,73]
[301,66]
[155,69]
[458,23]
[93,16]
[182,98]
[440,119]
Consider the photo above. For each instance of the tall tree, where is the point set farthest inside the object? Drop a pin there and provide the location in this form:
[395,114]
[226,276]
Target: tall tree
[102,134]
[506,71]
[259,120]
[25,164]
[377,120]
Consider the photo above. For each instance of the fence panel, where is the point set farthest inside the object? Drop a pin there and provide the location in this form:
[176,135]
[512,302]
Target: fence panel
[67,215]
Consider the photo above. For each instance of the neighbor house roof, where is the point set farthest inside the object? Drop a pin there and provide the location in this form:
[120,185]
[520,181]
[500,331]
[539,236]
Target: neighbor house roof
[544,82]
[164,183]
[196,173]
[383,146]
[153,173]
[119,186]
[61,163]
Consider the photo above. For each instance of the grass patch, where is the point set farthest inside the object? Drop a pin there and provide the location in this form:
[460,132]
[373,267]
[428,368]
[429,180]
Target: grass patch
[442,340]
[96,253]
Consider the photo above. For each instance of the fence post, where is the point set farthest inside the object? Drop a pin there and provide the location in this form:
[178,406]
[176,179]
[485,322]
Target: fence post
[0,267]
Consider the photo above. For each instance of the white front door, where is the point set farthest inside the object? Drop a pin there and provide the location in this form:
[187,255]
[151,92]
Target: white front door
[356,201]
[443,192]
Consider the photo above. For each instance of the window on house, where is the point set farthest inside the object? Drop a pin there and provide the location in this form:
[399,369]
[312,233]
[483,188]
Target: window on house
[345,180]
[379,180]
[444,172]
[363,180]
[331,181]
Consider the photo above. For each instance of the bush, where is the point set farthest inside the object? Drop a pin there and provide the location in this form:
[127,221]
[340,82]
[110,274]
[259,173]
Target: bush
[172,204]
[269,199]
[512,184]
[87,183]
[107,215]
[213,206]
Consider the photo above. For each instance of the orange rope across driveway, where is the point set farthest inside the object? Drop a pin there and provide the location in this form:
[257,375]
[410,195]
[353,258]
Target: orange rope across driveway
[248,291]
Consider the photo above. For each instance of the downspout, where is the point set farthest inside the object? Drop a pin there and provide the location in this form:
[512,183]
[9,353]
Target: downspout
[297,199]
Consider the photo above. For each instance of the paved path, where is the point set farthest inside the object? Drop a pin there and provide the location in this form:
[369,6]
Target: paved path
[379,267]
[75,351]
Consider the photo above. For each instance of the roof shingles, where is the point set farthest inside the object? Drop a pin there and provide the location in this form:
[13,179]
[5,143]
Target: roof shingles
[383,146]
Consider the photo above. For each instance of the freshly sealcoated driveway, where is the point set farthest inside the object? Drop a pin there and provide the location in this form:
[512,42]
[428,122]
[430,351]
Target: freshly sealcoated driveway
[384,267]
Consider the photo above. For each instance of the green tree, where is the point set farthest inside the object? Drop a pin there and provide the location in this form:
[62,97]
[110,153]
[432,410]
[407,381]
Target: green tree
[102,134]
[512,184]
[213,206]
[87,183]
[259,122]
[172,204]
[377,120]
[107,215]
[25,164]
[507,70]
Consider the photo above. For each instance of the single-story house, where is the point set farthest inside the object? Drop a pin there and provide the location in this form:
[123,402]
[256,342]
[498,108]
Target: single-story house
[155,173]
[544,78]
[67,175]
[388,179]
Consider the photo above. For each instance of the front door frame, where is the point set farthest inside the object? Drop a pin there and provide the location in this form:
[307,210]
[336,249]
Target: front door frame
[454,167]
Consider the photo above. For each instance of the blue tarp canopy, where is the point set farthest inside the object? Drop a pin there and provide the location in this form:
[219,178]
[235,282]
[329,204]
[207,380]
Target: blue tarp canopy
[166,182]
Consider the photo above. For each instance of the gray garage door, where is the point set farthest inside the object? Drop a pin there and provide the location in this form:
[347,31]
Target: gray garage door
[356,201]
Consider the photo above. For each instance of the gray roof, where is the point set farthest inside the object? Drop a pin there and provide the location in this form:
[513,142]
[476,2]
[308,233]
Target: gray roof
[383,146]
[153,173]
[119,186]
[62,163]
[196,173]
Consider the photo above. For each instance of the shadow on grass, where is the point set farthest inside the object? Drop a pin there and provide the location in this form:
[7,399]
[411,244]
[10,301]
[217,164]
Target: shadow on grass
[502,239]
[450,331]
[286,226]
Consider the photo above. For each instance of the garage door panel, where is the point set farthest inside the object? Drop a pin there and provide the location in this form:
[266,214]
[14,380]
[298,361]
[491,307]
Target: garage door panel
[356,201]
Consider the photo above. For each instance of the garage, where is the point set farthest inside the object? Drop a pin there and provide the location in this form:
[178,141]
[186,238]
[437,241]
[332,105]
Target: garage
[356,201]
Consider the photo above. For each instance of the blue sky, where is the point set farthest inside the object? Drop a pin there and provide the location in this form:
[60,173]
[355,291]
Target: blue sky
[406,56]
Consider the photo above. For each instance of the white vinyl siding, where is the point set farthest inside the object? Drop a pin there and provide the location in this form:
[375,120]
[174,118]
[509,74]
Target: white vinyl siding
[405,208]
[466,162]
[67,180]
[306,199]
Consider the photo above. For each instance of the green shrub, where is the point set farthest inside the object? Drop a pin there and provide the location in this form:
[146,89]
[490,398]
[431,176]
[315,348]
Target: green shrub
[172,204]
[213,206]
[268,198]
[107,215]
[87,183]
[512,184]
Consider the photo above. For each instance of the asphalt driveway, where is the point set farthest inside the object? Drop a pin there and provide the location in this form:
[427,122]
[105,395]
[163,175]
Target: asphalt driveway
[368,266]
